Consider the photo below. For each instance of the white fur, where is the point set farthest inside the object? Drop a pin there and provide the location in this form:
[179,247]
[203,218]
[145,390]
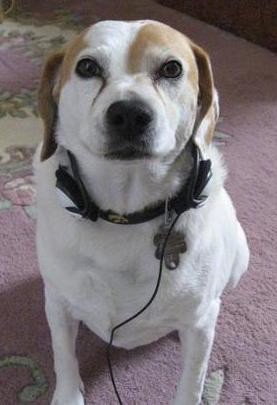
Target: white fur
[102,273]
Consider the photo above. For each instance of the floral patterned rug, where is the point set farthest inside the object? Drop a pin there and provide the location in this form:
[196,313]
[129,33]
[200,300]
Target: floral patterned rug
[150,374]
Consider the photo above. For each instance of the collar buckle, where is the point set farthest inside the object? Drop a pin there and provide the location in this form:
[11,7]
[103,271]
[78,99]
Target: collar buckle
[117,219]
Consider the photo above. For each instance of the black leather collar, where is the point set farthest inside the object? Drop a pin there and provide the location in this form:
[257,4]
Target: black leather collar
[190,195]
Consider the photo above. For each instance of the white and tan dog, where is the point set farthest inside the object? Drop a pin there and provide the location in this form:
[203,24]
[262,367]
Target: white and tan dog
[123,97]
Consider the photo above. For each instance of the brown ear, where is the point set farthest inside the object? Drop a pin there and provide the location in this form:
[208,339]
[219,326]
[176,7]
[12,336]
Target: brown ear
[47,102]
[208,99]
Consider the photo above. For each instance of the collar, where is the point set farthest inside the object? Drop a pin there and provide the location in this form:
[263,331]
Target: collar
[75,198]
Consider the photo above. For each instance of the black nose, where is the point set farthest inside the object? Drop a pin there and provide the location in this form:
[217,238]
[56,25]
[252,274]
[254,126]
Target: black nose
[128,118]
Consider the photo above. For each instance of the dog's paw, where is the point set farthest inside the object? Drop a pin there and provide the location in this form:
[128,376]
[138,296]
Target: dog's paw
[69,398]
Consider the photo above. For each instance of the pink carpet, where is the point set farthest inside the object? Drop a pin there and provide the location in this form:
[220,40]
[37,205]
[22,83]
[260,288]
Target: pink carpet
[243,366]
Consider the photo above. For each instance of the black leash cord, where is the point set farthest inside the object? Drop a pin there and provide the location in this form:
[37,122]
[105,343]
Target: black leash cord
[139,312]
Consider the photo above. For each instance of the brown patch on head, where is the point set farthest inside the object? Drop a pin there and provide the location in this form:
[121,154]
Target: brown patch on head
[72,51]
[56,72]
[206,90]
[47,102]
[161,35]
[199,74]
[206,84]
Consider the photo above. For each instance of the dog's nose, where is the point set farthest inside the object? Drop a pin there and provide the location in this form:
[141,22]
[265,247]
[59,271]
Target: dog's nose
[128,118]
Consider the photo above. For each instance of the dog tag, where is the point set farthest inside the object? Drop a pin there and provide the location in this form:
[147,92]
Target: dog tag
[175,246]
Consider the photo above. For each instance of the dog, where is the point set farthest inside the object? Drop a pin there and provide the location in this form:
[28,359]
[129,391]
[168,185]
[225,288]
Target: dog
[129,111]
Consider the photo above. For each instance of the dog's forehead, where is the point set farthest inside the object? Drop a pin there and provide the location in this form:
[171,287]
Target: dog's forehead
[133,39]
[113,33]
[126,43]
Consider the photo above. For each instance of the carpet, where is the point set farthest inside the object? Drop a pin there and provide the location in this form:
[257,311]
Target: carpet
[243,365]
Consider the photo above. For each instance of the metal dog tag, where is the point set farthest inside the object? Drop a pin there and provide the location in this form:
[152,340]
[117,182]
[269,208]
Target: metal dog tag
[175,246]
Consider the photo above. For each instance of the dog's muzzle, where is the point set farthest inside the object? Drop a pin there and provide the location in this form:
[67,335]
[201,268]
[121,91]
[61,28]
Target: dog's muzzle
[128,124]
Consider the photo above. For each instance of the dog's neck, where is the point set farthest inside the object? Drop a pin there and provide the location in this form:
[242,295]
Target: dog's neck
[128,187]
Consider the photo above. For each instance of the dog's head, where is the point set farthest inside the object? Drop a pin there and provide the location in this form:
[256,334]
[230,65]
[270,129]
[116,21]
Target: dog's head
[127,90]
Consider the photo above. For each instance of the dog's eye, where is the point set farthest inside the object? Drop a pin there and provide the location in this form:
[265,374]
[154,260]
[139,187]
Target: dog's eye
[171,69]
[87,68]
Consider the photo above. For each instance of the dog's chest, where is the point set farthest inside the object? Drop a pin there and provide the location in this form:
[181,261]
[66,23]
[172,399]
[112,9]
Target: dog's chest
[115,278]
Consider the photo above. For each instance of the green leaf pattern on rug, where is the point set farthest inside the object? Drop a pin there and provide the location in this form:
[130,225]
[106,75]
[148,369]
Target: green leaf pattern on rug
[213,388]
[30,393]
[62,18]
[39,386]
[14,105]
[5,205]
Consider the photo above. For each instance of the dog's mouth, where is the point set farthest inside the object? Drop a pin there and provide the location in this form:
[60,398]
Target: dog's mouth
[128,153]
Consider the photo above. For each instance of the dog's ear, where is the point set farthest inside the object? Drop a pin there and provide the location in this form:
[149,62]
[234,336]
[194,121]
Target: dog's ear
[207,98]
[48,101]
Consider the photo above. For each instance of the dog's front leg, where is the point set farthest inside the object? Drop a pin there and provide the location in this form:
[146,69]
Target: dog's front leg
[64,331]
[196,344]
